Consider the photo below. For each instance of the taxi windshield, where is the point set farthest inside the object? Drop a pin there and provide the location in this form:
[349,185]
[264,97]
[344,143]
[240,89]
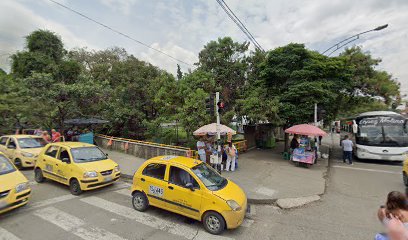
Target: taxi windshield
[31,142]
[87,154]
[5,165]
[210,178]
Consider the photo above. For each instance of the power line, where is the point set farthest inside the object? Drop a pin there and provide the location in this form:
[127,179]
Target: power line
[239,23]
[118,32]
[243,25]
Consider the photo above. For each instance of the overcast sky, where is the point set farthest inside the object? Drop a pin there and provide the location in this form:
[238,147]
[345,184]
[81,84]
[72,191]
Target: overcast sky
[182,27]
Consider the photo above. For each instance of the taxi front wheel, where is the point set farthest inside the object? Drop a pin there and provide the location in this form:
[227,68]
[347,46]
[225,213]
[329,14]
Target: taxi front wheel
[74,187]
[214,223]
[38,175]
[140,202]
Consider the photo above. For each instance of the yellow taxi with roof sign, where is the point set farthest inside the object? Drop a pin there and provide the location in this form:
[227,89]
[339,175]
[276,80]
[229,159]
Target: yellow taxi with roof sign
[23,150]
[14,188]
[81,166]
[191,188]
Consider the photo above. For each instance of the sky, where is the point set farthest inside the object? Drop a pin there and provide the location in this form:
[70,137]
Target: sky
[182,27]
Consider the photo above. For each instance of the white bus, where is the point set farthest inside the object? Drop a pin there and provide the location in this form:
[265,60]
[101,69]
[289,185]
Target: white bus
[381,135]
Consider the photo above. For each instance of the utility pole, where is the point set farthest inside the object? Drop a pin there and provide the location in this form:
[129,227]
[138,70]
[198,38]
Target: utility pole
[218,165]
[315,114]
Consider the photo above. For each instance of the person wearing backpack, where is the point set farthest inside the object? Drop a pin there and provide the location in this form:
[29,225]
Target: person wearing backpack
[231,154]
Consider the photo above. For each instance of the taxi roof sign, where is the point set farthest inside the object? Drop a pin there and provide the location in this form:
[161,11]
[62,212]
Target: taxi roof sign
[168,157]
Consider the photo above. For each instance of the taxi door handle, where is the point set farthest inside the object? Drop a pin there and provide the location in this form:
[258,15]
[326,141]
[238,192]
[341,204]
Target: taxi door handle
[142,179]
[170,187]
[56,164]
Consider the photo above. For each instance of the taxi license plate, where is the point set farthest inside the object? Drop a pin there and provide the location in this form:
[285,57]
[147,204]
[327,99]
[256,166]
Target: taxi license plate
[107,179]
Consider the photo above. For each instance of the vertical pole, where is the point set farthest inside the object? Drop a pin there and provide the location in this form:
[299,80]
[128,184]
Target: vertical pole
[315,114]
[217,99]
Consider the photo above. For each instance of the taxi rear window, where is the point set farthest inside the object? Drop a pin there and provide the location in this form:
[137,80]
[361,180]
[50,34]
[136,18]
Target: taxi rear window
[155,170]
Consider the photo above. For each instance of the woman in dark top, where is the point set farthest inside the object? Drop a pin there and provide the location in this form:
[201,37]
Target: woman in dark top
[295,142]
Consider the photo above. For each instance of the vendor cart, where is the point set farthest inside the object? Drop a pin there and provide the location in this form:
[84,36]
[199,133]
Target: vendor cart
[305,156]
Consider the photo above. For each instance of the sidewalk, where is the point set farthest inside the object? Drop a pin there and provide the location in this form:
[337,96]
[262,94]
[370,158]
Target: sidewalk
[263,174]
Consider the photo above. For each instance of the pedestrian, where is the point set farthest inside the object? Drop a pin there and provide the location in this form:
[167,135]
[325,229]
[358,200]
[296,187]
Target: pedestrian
[347,145]
[295,142]
[46,136]
[231,154]
[394,216]
[55,136]
[38,131]
[201,147]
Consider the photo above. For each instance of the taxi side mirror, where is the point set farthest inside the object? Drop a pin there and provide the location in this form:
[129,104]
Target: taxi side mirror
[65,160]
[190,186]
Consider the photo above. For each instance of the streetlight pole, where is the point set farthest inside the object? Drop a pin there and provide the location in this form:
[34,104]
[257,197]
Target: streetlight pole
[353,38]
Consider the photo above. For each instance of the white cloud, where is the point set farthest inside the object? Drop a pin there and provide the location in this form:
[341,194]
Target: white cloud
[182,27]
[123,6]
[14,27]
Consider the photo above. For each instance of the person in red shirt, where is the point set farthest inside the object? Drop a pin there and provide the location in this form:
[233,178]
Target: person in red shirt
[55,136]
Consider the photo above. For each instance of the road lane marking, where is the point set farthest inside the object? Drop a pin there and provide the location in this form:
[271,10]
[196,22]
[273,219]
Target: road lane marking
[367,169]
[52,201]
[6,235]
[62,198]
[74,225]
[146,219]
[125,191]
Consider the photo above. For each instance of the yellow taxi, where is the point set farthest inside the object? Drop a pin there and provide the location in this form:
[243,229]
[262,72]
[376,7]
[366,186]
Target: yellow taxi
[405,171]
[191,188]
[23,150]
[14,187]
[81,166]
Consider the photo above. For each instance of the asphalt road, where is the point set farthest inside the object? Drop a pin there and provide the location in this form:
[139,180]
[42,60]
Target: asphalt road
[346,211]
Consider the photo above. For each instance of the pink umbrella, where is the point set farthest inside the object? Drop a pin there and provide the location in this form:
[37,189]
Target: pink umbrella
[306,129]
[211,129]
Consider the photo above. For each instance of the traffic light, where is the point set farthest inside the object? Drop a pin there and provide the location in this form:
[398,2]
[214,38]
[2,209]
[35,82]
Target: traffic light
[220,106]
[209,104]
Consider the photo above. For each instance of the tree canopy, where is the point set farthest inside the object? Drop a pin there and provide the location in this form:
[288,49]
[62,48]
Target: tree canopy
[48,84]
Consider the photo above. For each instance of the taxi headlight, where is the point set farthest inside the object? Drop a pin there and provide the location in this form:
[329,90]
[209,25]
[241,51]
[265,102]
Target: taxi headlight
[116,169]
[21,187]
[26,154]
[234,205]
[90,174]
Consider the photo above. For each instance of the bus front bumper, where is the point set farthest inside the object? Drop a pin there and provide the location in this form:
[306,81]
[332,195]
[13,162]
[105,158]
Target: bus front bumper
[385,157]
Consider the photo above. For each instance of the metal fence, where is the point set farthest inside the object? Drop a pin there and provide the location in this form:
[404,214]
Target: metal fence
[148,150]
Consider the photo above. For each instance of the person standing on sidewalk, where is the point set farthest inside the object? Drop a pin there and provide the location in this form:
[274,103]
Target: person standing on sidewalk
[347,145]
[201,147]
[231,153]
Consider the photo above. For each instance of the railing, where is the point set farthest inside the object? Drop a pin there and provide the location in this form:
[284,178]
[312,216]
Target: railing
[148,150]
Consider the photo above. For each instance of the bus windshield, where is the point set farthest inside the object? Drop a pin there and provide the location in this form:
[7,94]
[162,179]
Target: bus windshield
[385,131]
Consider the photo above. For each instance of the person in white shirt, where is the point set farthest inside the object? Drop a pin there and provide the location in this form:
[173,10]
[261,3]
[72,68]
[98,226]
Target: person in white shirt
[231,156]
[201,150]
[347,145]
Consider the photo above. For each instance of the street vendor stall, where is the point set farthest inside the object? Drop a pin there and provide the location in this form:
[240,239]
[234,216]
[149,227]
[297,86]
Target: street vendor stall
[305,153]
[210,131]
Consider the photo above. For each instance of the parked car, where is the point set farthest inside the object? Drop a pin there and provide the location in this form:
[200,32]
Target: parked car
[191,188]
[23,150]
[81,166]
[14,188]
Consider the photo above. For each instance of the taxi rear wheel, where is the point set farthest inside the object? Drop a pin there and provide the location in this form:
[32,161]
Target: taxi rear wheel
[74,187]
[140,201]
[38,175]
[214,223]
